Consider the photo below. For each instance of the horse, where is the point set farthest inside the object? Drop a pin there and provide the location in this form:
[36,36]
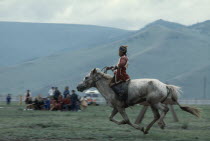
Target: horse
[151,91]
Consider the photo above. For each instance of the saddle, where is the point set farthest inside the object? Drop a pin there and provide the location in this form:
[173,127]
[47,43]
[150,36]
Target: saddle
[121,90]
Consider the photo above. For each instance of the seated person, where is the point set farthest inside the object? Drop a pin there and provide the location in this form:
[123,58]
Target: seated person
[36,104]
[46,103]
[57,103]
[30,105]
[66,103]
[120,74]
[84,103]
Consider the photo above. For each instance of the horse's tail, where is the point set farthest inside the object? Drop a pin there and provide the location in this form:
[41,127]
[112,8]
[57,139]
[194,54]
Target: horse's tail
[175,92]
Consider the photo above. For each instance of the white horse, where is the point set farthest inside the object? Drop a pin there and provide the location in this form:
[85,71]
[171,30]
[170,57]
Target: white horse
[139,90]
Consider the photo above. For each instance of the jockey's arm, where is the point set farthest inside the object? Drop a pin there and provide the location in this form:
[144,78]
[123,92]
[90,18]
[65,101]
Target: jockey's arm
[112,68]
[122,63]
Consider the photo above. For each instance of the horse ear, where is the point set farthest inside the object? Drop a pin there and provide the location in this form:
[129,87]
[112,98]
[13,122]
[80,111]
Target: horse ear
[94,71]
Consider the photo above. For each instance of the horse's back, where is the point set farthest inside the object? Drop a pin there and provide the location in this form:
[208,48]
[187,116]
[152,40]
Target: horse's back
[145,81]
[138,86]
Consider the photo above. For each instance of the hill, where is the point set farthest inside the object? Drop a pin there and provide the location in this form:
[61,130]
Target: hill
[193,83]
[203,27]
[22,42]
[157,51]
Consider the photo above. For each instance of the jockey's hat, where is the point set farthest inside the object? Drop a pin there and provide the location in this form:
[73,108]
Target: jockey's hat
[123,48]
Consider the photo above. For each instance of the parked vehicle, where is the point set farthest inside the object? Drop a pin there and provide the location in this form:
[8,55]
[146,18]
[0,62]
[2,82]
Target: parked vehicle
[94,97]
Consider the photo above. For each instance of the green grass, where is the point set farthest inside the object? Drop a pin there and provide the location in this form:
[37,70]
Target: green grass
[93,124]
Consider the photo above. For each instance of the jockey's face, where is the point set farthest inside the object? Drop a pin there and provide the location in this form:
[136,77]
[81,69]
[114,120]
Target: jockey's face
[120,53]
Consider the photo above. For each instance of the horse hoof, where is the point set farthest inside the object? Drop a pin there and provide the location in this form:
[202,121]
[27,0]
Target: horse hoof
[146,132]
[142,129]
[161,125]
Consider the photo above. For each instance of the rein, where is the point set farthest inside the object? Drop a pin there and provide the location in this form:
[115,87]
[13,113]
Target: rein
[98,78]
[105,71]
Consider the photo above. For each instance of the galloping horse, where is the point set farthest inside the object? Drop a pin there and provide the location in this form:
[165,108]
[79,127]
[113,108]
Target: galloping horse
[139,90]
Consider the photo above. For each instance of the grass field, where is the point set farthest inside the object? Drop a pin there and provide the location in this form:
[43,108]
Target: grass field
[93,124]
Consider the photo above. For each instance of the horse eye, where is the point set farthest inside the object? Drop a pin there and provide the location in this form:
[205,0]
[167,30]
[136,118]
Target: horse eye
[86,78]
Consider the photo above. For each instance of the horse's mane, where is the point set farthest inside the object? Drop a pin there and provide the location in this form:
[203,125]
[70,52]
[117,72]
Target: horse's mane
[106,76]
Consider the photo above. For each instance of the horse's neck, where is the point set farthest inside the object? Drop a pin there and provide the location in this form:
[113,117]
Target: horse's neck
[103,87]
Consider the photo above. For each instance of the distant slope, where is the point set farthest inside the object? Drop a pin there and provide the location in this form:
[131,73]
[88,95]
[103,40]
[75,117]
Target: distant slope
[203,27]
[167,24]
[156,51]
[20,42]
[193,83]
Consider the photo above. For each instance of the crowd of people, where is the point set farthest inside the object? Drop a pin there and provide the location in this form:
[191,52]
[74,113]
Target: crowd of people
[56,100]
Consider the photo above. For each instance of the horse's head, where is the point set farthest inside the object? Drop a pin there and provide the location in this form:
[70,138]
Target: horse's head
[89,80]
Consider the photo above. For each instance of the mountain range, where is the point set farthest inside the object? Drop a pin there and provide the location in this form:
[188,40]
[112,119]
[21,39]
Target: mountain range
[61,55]
[23,42]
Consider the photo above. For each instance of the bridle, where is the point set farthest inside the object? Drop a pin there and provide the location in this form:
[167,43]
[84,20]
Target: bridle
[104,70]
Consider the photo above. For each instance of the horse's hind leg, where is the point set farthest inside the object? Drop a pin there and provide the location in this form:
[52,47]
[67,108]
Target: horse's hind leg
[127,121]
[156,117]
[164,110]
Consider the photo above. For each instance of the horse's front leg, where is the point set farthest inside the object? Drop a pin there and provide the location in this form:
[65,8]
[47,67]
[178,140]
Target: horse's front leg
[127,121]
[111,117]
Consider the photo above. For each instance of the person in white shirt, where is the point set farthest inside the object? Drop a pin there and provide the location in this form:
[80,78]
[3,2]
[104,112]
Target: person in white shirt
[51,91]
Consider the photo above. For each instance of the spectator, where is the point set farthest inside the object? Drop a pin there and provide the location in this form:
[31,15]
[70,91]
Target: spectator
[47,103]
[66,91]
[56,93]
[8,99]
[78,103]
[84,103]
[57,104]
[27,96]
[38,103]
[30,105]
[74,101]
[67,103]
[52,104]
[30,101]
[51,91]
[60,102]
[41,102]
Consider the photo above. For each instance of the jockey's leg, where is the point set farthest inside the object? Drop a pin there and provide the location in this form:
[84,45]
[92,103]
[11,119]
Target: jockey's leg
[112,82]
[117,88]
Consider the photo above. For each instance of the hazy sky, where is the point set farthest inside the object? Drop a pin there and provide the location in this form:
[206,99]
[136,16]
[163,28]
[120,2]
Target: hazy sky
[125,14]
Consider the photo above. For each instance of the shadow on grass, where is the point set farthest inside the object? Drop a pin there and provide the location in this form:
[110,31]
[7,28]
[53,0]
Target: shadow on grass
[42,125]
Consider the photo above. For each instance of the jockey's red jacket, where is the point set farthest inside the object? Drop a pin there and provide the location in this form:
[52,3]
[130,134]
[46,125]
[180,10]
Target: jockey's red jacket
[120,73]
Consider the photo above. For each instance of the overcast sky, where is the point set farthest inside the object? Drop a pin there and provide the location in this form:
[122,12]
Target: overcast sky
[125,14]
